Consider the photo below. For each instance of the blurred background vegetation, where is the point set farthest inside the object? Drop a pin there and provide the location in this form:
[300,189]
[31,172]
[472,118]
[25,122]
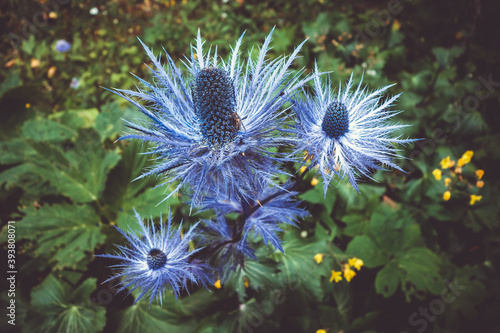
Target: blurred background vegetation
[430,250]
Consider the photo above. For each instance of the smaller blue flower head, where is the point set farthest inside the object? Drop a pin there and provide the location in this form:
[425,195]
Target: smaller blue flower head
[157,259]
[347,133]
[62,46]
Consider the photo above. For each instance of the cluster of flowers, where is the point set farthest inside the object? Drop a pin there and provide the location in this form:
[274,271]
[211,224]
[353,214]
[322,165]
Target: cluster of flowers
[223,133]
[455,179]
[345,268]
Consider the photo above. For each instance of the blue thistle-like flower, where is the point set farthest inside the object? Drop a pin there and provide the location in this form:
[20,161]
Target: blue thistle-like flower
[157,259]
[215,129]
[347,133]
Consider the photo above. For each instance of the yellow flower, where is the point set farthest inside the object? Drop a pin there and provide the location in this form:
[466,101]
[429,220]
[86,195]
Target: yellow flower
[437,174]
[319,258]
[356,263]
[458,169]
[303,168]
[321,331]
[337,276]
[466,157]
[348,273]
[446,195]
[447,182]
[479,173]
[245,282]
[314,181]
[446,163]
[474,198]
[217,284]
[479,183]
[28,105]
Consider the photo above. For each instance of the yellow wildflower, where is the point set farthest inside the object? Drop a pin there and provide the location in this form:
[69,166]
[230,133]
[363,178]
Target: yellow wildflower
[479,173]
[479,183]
[474,198]
[28,105]
[446,163]
[314,181]
[447,182]
[458,169]
[319,258]
[245,282]
[348,273]
[321,331]
[437,174]
[356,263]
[217,284]
[466,157]
[337,276]
[446,195]
[303,168]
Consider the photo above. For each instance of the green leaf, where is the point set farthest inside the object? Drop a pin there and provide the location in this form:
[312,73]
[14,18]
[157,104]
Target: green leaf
[79,173]
[109,123]
[387,280]
[65,309]
[142,318]
[47,130]
[365,248]
[69,233]
[298,270]
[446,57]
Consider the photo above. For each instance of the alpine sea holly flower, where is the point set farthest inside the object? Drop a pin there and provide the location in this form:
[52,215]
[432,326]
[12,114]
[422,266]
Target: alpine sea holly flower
[157,259]
[215,129]
[347,133]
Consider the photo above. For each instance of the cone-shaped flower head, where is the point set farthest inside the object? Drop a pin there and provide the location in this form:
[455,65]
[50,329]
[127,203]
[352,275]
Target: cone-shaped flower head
[157,259]
[347,133]
[215,129]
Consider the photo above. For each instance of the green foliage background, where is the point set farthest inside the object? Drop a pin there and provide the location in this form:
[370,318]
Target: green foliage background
[66,183]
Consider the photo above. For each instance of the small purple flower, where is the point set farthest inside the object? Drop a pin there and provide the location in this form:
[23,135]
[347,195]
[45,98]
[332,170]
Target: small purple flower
[62,46]
[75,83]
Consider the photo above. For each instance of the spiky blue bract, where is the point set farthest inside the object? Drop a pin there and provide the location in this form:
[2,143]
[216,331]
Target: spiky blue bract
[215,129]
[158,259]
[228,254]
[263,216]
[347,133]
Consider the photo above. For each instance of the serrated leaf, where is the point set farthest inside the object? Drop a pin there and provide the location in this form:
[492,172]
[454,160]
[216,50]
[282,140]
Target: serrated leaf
[64,310]
[109,123]
[142,318]
[65,231]
[78,173]
[47,130]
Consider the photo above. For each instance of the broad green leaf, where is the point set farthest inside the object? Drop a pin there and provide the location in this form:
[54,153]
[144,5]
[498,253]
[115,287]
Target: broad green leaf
[69,233]
[65,309]
[47,130]
[365,248]
[387,280]
[109,123]
[79,173]
[143,318]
